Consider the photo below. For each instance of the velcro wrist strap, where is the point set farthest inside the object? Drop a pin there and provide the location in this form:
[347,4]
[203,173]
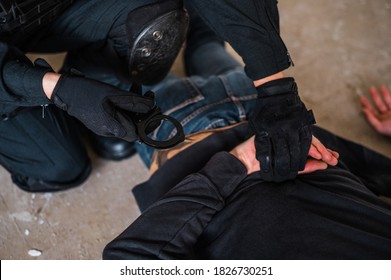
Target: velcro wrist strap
[56,99]
[276,87]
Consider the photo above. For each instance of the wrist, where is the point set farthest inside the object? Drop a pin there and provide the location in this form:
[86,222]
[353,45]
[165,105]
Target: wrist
[242,159]
[245,153]
[262,81]
[49,82]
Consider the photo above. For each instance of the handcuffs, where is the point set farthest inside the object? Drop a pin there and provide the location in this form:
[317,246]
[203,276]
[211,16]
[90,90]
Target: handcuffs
[153,49]
[147,122]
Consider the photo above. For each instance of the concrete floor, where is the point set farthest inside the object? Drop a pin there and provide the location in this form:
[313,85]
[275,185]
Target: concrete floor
[340,48]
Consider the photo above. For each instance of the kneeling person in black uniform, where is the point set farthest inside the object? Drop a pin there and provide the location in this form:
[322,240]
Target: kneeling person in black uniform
[109,45]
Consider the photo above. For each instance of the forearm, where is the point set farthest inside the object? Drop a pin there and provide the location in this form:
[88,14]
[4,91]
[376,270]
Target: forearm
[252,29]
[49,82]
[262,81]
[170,228]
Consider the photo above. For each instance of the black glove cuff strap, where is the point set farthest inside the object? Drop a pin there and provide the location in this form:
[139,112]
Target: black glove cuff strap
[275,87]
[56,100]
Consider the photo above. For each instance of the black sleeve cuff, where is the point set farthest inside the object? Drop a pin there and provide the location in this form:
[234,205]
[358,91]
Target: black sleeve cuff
[225,171]
[25,80]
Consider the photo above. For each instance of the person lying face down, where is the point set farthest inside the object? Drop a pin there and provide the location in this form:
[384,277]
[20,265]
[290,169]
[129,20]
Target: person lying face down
[226,211]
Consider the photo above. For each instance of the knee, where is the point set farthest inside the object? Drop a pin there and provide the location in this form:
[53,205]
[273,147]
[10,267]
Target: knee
[68,171]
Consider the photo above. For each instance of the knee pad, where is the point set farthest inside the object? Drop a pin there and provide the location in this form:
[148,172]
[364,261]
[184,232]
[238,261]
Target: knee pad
[156,34]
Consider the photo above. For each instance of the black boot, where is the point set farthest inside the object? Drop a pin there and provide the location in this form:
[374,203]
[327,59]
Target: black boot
[111,148]
[29,184]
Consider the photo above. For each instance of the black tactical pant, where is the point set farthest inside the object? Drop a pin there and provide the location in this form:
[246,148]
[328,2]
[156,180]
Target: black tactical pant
[49,148]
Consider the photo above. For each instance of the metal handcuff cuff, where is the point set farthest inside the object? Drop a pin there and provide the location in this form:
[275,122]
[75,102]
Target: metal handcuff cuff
[147,122]
[150,58]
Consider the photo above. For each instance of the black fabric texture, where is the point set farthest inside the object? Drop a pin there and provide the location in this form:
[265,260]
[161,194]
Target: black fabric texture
[198,34]
[202,196]
[282,127]
[21,80]
[48,149]
[325,215]
[30,184]
[20,19]
[251,28]
[141,17]
[372,168]
[100,107]
[151,190]
[24,79]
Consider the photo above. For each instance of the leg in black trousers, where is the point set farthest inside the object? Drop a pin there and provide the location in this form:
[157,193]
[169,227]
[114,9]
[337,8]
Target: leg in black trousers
[43,154]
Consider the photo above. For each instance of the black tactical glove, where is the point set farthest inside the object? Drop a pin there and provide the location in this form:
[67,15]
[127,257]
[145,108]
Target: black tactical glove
[282,127]
[102,108]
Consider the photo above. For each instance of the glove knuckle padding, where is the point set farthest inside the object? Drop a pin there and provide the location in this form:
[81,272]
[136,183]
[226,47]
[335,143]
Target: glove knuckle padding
[132,103]
[129,130]
[283,117]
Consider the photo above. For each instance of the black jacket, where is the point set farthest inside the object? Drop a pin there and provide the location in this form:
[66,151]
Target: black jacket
[217,212]
[9,102]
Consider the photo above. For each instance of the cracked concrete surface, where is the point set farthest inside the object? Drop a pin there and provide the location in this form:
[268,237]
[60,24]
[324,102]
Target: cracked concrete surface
[340,48]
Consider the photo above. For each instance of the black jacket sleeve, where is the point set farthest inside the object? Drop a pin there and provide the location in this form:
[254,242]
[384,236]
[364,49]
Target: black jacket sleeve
[171,226]
[9,101]
[252,29]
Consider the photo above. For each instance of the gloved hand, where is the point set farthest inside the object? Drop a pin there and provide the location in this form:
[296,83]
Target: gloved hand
[102,108]
[282,127]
